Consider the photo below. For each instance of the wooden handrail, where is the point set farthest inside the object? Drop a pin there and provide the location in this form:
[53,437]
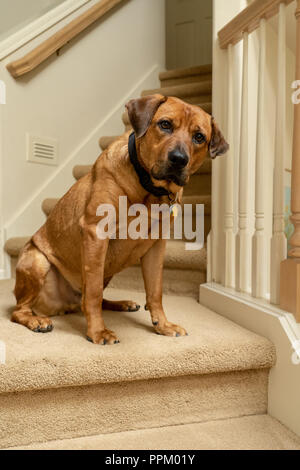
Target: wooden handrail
[248,20]
[38,55]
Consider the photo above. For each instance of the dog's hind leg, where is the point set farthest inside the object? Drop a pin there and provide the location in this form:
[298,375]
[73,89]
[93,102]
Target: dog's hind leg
[120,305]
[32,269]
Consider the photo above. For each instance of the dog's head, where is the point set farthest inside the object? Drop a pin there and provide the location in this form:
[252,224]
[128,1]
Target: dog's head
[173,138]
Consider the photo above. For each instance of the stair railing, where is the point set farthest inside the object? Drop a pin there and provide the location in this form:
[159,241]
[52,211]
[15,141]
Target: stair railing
[54,43]
[246,268]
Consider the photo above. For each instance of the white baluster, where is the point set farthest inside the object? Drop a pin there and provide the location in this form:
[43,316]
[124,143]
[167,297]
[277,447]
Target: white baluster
[279,242]
[229,277]
[209,259]
[243,245]
[259,243]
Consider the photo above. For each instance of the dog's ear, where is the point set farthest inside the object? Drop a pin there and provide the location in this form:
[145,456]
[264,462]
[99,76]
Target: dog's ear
[141,112]
[218,145]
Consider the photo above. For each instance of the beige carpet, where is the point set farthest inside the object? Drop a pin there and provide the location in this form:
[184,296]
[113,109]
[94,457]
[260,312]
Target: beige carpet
[64,357]
[58,385]
[246,433]
[61,413]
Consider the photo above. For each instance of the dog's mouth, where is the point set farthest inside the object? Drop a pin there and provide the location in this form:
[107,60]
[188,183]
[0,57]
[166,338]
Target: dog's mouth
[169,174]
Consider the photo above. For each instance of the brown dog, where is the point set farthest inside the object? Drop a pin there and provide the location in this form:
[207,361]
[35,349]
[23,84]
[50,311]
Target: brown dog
[66,265]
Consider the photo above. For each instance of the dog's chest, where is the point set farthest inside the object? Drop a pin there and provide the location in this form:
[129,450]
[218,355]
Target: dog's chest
[124,253]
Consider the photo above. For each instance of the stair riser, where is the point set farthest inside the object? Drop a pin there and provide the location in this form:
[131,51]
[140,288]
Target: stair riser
[186,80]
[199,184]
[174,280]
[198,99]
[106,408]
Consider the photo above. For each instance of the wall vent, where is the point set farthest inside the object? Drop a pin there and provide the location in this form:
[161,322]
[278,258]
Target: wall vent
[42,150]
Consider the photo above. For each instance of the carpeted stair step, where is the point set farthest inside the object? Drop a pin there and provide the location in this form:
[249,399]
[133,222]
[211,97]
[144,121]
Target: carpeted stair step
[14,245]
[193,93]
[106,141]
[126,122]
[259,432]
[48,205]
[59,386]
[202,73]
[186,281]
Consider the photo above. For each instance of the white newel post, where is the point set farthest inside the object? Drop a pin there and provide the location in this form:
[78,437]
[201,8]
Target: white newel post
[279,242]
[229,277]
[259,245]
[243,245]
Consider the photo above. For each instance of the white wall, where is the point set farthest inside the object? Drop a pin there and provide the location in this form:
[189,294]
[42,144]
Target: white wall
[17,13]
[75,98]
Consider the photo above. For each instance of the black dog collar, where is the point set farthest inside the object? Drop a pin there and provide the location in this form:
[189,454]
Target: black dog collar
[144,177]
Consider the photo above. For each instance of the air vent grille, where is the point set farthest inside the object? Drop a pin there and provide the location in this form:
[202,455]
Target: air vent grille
[42,150]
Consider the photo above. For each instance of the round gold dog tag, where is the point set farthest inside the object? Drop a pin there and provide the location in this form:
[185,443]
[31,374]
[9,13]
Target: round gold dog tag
[174,211]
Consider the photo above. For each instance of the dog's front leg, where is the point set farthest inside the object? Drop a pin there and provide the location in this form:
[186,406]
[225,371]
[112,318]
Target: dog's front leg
[152,268]
[93,254]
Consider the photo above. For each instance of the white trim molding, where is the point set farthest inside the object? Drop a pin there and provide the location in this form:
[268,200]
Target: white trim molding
[38,26]
[279,327]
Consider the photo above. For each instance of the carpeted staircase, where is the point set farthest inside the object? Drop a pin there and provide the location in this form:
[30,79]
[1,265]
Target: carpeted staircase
[208,390]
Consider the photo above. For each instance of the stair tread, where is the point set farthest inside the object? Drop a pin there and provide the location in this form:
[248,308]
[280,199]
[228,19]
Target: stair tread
[14,245]
[105,141]
[65,358]
[186,72]
[257,432]
[184,90]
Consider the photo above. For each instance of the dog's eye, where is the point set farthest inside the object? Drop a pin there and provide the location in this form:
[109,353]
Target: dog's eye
[199,138]
[166,126]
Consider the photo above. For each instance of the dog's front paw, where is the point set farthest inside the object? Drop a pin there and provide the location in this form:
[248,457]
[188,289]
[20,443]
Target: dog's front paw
[40,324]
[103,337]
[169,329]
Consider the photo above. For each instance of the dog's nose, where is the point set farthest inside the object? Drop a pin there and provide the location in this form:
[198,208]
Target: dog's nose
[178,158]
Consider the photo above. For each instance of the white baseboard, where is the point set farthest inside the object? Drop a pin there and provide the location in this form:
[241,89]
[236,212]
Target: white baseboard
[29,216]
[5,271]
[279,327]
